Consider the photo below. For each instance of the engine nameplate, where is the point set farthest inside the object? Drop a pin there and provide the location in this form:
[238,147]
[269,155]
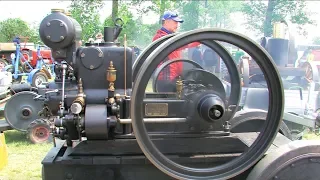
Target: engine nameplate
[156,109]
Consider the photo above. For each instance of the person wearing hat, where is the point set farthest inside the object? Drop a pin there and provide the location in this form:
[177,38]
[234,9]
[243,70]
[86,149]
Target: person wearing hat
[170,24]
[99,38]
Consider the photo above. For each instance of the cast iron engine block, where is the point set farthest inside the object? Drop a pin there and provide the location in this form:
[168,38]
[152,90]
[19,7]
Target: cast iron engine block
[99,106]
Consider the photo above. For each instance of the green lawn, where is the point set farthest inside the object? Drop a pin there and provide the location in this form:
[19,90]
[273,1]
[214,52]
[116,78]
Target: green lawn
[24,161]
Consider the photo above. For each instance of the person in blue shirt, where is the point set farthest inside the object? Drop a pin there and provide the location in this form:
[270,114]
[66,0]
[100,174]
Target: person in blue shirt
[16,40]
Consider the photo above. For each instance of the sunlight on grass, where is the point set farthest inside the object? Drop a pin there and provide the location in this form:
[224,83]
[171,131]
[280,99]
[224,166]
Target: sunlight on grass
[24,161]
[311,136]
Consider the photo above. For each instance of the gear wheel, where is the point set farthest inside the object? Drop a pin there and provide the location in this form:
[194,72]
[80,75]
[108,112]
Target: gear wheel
[39,131]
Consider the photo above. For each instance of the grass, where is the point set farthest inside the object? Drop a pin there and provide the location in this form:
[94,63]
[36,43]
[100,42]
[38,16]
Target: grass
[24,161]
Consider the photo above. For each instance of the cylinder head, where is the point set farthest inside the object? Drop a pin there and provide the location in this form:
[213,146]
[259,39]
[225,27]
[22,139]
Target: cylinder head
[59,31]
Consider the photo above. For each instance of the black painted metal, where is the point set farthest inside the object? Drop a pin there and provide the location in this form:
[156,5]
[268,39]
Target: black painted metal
[113,150]
[253,120]
[297,160]
[257,149]
[96,160]
[278,49]
[166,64]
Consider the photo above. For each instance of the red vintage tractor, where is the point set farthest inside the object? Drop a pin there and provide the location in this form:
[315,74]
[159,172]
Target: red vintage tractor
[32,56]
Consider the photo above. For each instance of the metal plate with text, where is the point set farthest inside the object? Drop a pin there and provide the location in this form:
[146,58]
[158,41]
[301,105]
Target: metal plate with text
[156,109]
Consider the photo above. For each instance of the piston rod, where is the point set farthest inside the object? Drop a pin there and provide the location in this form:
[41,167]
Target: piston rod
[156,120]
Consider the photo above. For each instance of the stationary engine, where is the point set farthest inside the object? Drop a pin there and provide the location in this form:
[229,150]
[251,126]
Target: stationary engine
[86,90]
[284,54]
[102,104]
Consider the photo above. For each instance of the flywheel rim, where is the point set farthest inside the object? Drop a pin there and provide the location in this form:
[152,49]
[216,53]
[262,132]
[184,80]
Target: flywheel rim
[257,149]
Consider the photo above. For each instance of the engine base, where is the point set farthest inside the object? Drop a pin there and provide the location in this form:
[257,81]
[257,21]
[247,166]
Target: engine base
[87,160]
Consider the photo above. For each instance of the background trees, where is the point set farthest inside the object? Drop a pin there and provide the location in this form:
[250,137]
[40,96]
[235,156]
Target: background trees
[259,16]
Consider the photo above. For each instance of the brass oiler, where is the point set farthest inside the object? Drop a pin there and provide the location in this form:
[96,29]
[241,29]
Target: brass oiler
[80,97]
[78,104]
[111,76]
[179,86]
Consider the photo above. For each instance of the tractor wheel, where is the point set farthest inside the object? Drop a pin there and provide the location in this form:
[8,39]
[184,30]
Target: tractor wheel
[39,131]
[3,62]
[26,68]
[25,56]
[19,79]
[39,78]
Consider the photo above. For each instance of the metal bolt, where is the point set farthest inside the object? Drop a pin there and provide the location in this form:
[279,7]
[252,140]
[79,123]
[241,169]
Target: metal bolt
[48,37]
[100,54]
[82,54]
[61,24]
[91,66]
[191,128]
[69,176]
[61,37]
[48,24]
[276,177]
[217,113]
[292,165]
[226,126]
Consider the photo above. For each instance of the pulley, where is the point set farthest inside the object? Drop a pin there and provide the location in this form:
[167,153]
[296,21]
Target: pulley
[204,106]
[22,109]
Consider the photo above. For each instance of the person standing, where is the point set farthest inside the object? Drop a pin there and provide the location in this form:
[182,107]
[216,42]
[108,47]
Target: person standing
[238,56]
[99,38]
[170,24]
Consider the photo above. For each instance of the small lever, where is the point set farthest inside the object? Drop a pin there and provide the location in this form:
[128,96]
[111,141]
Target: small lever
[53,91]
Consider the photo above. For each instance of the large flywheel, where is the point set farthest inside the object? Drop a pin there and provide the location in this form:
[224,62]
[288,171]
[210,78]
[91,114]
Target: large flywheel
[200,106]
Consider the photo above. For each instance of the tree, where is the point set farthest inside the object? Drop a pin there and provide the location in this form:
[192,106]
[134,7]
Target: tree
[86,12]
[13,27]
[316,40]
[260,15]
[217,13]
[190,10]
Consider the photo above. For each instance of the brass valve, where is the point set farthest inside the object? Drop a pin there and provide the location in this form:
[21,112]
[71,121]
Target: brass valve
[179,85]
[111,76]
[68,13]
[80,96]
[57,10]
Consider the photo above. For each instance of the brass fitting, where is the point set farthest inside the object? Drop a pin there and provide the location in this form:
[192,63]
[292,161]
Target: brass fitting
[80,97]
[179,85]
[111,76]
[67,13]
[57,10]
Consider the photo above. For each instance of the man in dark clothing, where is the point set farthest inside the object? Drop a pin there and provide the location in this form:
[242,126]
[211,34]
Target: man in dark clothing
[170,23]
[197,56]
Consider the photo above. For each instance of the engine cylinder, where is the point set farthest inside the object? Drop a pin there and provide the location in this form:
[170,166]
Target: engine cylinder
[278,49]
[59,31]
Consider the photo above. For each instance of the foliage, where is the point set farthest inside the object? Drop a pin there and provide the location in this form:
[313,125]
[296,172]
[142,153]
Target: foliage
[86,12]
[207,13]
[137,33]
[260,15]
[217,13]
[190,11]
[316,40]
[13,27]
